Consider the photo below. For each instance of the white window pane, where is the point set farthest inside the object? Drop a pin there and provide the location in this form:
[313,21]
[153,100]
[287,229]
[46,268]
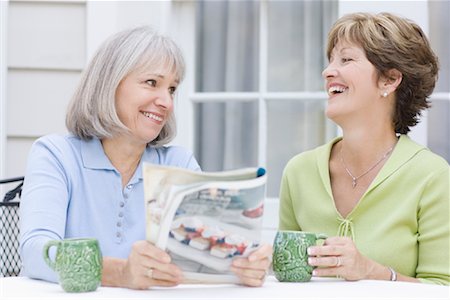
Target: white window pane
[439,128]
[439,38]
[293,126]
[296,44]
[439,113]
[227,50]
[226,135]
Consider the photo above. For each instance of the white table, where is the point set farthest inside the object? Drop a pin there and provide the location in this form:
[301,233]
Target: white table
[318,288]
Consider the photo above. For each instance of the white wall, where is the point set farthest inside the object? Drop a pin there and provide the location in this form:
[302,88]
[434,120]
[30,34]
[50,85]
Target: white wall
[45,43]
[3,90]
[3,86]
[48,45]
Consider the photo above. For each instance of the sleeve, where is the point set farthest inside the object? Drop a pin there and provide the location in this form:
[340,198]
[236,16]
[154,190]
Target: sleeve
[434,231]
[43,208]
[287,220]
[179,157]
[192,163]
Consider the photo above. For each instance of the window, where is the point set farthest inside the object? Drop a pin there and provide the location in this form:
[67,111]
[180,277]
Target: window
[439,114]
[259,96]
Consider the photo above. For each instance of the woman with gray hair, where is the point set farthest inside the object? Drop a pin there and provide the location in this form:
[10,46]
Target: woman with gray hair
[89,183]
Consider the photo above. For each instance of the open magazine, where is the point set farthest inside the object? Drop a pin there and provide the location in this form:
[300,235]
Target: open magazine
[204,219]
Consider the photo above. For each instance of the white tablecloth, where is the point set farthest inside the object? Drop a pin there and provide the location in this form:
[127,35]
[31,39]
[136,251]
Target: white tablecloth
[317,288]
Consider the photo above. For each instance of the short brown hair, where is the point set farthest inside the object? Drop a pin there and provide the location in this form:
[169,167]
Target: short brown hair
[392,42]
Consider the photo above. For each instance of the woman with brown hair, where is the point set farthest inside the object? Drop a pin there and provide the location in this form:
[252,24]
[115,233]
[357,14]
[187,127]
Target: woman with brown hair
[382,198]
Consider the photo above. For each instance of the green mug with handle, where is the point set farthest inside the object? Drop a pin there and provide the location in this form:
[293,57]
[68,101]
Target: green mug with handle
[78,263]
[290,257]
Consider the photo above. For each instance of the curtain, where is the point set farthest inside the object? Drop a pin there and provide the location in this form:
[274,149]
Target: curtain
[439,114]
[227,60]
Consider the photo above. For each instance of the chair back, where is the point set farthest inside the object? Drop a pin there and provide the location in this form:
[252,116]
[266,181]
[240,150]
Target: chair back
[10,263]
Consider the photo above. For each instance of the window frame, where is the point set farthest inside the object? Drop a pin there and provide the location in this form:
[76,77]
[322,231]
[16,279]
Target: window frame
[270,222]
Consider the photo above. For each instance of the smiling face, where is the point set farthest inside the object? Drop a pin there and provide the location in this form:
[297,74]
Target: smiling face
[351,83]
[144,103]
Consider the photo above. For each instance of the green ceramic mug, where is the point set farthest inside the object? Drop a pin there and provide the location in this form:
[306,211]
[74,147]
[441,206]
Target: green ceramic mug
[290,257]
[78,263]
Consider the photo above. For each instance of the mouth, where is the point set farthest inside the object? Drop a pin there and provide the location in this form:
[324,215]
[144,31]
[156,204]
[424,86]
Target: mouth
[335,90]
[152,116]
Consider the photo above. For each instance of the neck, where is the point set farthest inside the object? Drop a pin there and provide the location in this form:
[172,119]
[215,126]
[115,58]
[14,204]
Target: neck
[367,132]
[361,147]
[123,154]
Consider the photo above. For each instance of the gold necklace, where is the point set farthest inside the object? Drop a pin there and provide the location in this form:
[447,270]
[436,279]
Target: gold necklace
[355,178]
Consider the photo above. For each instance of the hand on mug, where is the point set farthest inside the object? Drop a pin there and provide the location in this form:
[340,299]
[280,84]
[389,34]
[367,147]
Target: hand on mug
[148,266]
[338,256]
[252,270]
[290,259]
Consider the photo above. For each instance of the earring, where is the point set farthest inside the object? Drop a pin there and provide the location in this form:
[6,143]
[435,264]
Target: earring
[385,94]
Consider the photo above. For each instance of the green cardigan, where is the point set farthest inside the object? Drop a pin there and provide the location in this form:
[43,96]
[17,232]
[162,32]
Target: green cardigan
[401,221]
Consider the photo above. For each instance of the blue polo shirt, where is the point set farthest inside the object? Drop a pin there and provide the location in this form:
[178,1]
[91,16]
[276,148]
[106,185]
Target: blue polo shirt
[71,189]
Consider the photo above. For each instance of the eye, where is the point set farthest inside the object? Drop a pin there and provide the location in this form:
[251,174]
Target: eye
[172,90]
[346,59]
[151,82]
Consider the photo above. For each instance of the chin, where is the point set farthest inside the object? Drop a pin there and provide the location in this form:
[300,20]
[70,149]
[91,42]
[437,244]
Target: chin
[330,113]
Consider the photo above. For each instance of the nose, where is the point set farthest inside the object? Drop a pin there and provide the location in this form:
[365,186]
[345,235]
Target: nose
[329,71]
[164,99]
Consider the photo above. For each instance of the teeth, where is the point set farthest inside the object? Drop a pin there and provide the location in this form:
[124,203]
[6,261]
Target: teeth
[152,116]
[336,89]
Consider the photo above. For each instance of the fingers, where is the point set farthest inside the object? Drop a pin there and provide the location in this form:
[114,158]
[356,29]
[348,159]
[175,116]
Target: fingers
[250,277]
[159,261]
[252,271]
[156,278]
[148,249]
[164,283]
[152,266]
[245,263]
[330,256]
[339,256]
[327,261]
[149,266]
[159,271]
[337,240]
[325,250]
[333,246]
[262,252]
[249,273]
[326,272]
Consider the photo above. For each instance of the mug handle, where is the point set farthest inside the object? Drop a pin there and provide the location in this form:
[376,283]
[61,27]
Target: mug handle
[47,259]
[321,236]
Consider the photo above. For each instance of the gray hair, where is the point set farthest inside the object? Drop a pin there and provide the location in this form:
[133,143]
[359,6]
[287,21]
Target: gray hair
[92,111]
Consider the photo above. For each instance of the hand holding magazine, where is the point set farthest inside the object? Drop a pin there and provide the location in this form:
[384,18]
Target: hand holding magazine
[204,220]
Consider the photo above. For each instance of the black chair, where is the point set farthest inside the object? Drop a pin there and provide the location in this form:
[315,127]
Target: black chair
[9,229]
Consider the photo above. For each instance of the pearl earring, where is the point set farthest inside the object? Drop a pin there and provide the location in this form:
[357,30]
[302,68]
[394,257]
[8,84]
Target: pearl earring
[385,94]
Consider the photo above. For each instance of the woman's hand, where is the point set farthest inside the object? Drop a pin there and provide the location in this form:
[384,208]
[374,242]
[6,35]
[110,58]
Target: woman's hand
[252,270]
[149,266]
[339,257]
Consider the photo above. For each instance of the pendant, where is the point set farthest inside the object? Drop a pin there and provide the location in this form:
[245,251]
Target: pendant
[353,182]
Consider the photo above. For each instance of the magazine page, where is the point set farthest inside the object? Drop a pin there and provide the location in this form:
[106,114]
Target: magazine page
[203,221]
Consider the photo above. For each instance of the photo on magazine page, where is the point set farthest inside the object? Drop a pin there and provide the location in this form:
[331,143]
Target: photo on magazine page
[204,225]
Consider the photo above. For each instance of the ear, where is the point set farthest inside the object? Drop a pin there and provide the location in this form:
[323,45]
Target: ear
[390,81]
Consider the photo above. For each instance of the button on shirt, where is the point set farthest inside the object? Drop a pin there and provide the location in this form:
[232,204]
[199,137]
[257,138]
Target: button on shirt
[73,190]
